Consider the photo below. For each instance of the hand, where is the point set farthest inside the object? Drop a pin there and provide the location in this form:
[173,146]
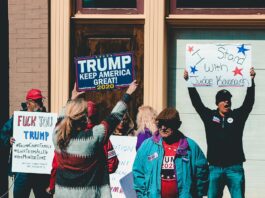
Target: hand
[252,73]
[186,75]
[75,93]
[133,86]
[49,191]
[12,141]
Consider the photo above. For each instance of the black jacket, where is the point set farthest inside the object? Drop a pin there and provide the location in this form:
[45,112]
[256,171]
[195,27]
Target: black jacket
[224,134]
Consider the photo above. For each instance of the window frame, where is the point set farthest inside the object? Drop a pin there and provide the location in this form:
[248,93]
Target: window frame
[214,11]
[138,10]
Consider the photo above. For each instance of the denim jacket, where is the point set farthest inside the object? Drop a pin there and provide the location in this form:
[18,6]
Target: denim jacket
[191,169]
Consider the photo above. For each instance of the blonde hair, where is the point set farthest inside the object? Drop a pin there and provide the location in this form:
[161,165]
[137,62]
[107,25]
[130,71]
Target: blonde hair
[75,110]
[146,119]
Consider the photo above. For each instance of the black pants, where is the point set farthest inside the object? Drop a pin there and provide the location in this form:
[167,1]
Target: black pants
[25,182]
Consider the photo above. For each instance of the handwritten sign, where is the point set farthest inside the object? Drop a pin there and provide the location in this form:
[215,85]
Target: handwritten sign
[33,150]
[218,65]
[121,182]
[104,72]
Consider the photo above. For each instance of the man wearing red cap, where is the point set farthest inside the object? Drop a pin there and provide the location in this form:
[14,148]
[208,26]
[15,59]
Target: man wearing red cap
[24,182]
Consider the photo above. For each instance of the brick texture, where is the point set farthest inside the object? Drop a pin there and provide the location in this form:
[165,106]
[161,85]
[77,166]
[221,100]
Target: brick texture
[28,43]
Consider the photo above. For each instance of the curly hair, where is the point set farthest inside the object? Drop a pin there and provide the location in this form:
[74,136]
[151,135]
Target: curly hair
[146,118]
[75,113]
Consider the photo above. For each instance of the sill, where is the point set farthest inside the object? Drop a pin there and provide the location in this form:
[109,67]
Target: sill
[236,21]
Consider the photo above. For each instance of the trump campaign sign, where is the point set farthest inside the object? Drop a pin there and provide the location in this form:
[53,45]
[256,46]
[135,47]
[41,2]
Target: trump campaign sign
[104,72]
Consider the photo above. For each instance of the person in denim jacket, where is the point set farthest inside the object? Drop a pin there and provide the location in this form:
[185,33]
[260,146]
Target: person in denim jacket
[169,164]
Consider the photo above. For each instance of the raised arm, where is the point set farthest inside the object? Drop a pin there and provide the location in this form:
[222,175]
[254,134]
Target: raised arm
[250,95]
[117,112]
[195,98]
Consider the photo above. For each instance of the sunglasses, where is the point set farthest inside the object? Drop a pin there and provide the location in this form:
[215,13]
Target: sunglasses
[166,124]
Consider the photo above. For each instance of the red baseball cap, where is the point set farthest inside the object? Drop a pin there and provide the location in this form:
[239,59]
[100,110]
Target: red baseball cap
[34,94]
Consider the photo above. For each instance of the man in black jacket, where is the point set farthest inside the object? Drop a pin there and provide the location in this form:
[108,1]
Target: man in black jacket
[224,130]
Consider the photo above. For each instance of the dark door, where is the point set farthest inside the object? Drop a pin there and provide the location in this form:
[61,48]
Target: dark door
[4,87]
[98,39]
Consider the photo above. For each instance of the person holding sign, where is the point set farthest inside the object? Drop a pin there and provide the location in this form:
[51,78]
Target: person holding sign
[82,170]
[169,164]
[224,130]
[110,154]
[24,182]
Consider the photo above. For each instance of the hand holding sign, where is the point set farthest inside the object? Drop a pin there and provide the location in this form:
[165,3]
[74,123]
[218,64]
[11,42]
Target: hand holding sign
[133,86]
[252,73]
[75,93]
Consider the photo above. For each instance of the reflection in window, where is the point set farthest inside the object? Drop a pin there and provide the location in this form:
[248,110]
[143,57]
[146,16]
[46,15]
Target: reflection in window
[109,3]
[220,4]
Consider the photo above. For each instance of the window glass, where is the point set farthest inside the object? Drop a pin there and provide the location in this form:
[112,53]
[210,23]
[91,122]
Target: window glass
[220,4]
[109,3]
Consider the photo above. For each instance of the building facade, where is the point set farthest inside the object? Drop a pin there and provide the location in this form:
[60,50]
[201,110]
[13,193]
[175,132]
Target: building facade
[45,36]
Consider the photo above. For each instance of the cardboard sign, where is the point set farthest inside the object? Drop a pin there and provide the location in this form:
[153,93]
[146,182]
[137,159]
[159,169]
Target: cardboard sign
[121,182]
[218,65]
[33,149]
[104,72]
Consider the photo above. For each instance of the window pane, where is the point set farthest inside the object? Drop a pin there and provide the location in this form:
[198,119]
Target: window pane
[109,3]
[220,4]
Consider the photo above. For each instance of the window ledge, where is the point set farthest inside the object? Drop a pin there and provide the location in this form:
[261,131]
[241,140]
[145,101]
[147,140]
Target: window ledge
[109,16]
[245,21]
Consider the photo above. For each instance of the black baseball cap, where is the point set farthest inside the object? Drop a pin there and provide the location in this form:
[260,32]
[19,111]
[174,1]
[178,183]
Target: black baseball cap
[222,95]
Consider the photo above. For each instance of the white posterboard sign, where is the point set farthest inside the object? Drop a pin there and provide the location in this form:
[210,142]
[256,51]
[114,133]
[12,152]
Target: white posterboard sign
[33,149]
[121,181]
[218,65]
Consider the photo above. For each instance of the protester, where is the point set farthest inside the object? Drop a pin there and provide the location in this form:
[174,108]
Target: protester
[224,130]
[125,127]
[24,182]
[109,152]
[82,168]
[169,164]
[146,124]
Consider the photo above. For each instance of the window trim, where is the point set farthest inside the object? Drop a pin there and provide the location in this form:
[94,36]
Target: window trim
[138,10]
[214,11]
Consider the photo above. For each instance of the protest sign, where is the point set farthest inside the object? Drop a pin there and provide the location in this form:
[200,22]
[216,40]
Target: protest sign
[121,181]
[104,72]
[218,65]
[33,149]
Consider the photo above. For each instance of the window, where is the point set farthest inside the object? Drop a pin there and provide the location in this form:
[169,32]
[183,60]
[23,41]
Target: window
[220,4]
[109,6]
[217,7]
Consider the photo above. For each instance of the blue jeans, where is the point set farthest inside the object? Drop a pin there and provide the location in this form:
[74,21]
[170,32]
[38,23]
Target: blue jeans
[232,176]
[24,182]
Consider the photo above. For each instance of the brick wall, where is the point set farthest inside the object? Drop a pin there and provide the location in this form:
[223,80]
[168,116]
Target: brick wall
[28,45]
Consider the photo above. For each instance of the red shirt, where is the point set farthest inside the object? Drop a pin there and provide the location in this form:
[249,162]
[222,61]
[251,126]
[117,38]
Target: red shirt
[169,186]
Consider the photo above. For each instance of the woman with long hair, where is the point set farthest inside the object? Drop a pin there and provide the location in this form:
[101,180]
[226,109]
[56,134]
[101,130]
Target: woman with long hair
[146,124]
[82,170]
